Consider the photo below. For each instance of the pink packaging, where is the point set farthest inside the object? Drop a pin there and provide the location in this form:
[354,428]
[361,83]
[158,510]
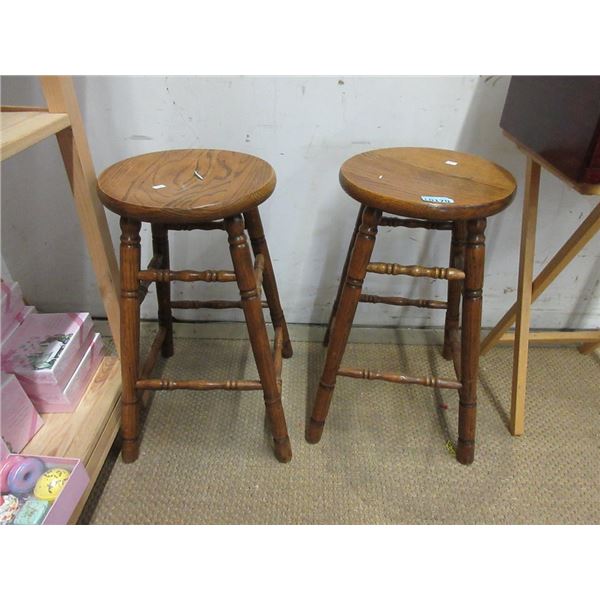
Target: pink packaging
[62,508]
[19,421]
[45,350]
[9,325]
[66,400]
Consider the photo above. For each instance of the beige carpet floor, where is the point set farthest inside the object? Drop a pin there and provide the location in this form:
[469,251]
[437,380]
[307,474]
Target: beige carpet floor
[206,456]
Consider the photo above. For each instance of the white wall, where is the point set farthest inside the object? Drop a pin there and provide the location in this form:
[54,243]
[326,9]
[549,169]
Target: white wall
[305,127]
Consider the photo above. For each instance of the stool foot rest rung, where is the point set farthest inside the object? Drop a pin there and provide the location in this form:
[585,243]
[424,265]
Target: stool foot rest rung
[217,304]
[415,223]
[435,382]
[399,301]
[382,268]
[198,384]
[166,275]
[193,226]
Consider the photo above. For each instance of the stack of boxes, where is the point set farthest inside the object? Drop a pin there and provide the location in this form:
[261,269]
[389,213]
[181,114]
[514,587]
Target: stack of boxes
[47,362]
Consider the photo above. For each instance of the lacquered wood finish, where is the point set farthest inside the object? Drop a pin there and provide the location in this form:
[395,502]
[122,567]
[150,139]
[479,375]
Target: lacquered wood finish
[160,246]
[395,180]
[251,303]
[130,337]
[364,177]
[183,186]
[259,247]
[471,330]
[342,322]
[229,181]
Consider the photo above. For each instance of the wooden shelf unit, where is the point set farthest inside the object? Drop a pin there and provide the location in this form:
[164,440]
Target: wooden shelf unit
[20,130]
[89,431]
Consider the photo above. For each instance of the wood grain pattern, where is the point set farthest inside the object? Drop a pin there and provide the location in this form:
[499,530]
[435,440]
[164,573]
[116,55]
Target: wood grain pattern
[20,130]
[395,179]
[182,186]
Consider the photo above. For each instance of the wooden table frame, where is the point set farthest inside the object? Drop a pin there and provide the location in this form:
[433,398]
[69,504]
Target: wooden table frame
[530,289]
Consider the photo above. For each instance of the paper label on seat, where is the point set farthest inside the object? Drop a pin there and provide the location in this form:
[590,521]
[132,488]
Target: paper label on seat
[437,199]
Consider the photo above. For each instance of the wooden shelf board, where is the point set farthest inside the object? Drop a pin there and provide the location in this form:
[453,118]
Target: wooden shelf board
[76,434]
[20,130]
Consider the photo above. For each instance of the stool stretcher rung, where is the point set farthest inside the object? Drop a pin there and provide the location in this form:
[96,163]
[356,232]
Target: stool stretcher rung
[382,268]
[193,226]
[198,384]
[399,301]
[155,262]
[218,304]
[415,223]
[435,382]
[165,275]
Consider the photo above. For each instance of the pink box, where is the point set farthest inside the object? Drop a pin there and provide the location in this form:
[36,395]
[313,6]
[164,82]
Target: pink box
[9,325]
[45,351]
[19,420]
[67,400]
[62,508]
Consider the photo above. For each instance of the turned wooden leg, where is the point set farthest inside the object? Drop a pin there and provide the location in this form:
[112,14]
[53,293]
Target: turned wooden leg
[344,273]
[259,246]
[130,337]
[160,245]
[257,331]
[471,331]
[340,330]
[457,260]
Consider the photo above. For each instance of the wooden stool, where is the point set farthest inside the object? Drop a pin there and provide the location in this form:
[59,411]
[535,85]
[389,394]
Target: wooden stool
[436,189]
[187,190]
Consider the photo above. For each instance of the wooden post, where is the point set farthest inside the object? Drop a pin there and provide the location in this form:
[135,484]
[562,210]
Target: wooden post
[470,335]
[342,322]
[257,331]
[457,259]
[524,297]
[60,96]
[160,246]
[130,337]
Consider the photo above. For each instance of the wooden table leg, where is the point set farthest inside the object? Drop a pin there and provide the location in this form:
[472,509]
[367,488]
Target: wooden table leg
[524,297]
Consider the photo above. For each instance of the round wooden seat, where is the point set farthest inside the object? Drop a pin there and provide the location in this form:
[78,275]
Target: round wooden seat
[183,186]
[428,183]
